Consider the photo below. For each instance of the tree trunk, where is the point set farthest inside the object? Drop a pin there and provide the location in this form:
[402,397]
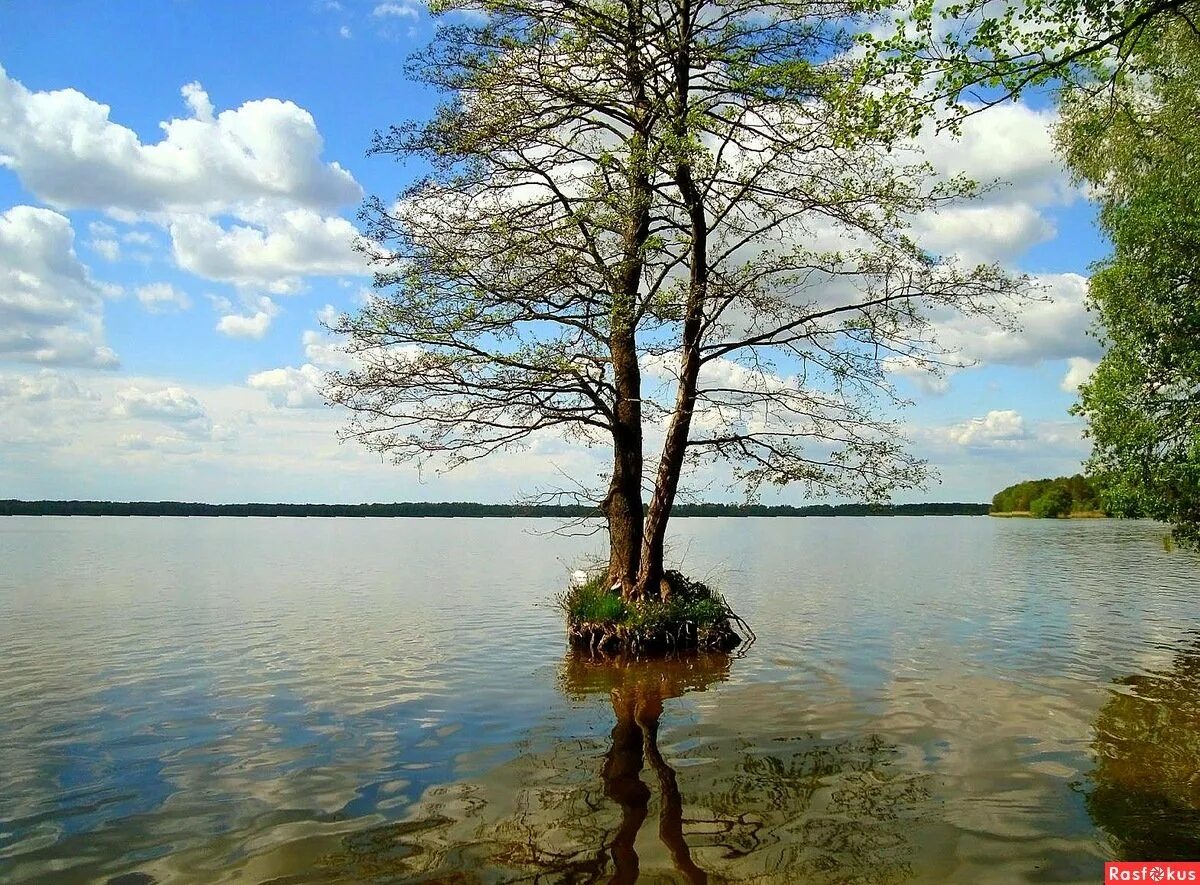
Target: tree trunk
[670,465]
[666,483]
[623,504]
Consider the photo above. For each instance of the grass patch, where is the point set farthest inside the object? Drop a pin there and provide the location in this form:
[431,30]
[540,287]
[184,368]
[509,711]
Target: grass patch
[594,602]
[692,616]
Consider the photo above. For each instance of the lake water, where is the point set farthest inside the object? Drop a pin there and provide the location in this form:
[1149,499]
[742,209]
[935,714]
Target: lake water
[929,699]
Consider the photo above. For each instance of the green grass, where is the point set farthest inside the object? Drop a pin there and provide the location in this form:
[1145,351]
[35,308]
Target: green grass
[595,603]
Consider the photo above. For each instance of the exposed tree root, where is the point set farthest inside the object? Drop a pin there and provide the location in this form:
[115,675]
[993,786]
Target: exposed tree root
[608,638]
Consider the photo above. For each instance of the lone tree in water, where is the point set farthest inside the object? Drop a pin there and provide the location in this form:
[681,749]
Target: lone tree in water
[650,224]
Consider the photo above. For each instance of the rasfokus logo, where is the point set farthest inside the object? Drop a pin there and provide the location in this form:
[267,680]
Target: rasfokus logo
[1152,871]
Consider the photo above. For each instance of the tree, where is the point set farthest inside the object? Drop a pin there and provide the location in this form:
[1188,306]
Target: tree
[1126,73]
[648,217]
[1053,503]
[957,60]
[1135,143]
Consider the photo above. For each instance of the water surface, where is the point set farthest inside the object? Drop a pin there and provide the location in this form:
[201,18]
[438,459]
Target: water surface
[289,700]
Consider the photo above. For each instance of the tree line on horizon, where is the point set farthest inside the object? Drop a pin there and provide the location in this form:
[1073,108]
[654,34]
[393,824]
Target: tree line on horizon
[417,509]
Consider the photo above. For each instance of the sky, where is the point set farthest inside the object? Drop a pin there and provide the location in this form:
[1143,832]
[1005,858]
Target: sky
[179,183]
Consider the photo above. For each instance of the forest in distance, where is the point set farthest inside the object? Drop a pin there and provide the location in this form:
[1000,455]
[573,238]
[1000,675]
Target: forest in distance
[463,509]
[1062,496]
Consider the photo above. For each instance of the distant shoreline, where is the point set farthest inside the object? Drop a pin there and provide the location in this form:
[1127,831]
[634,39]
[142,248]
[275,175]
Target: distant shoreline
[462,509]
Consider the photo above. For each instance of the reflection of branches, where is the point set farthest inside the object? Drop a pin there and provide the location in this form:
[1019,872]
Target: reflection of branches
[817,810]
[1146,789]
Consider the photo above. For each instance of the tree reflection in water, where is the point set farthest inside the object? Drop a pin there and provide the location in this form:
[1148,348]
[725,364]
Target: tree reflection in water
[638,689]
[820,810]
[1146,785]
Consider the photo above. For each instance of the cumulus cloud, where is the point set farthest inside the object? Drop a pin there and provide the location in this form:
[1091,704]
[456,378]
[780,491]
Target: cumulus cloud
[273,254]
[999,428]
[1055,327]
[169,405]
[290,387]
[162,297]
[1010,152]
[64,148]
[50,307]
[1079,370]
[45,386]
[929,381]
[138,238]
[163,443]
[1012,144]
[109,250]
[250,325]
[985,233]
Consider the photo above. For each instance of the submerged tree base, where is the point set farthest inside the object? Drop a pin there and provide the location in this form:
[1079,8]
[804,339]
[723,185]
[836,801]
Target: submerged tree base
[687,615]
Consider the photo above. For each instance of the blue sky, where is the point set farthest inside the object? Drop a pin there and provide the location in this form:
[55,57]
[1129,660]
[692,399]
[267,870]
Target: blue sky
[161,287]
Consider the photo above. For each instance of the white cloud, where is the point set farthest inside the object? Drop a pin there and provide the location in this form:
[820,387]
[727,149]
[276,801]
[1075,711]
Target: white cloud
[169,405]
[109,250]
[929,381]
[344,32]
[164,443]
[45,386]
[1011,143]
[1010,152]
[1001,428]
[322,351]
[161,297]
[984,233]
[64,148]
[273,255]
[138,238]
[1050,329]
[253,325]
[290,387]
[1079,370]
[405,9]
[50,307]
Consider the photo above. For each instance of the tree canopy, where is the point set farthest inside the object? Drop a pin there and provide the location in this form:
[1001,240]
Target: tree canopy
[651,222]
[1135,144]
[1049,497]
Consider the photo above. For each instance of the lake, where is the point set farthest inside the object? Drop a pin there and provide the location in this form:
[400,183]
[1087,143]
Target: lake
[929,699]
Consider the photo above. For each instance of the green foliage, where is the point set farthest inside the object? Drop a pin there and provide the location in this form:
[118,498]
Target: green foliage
[593,602]
[1053,503]
[956,59]
[1050,497]
[653,615]
[610,189]
[1136,144]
